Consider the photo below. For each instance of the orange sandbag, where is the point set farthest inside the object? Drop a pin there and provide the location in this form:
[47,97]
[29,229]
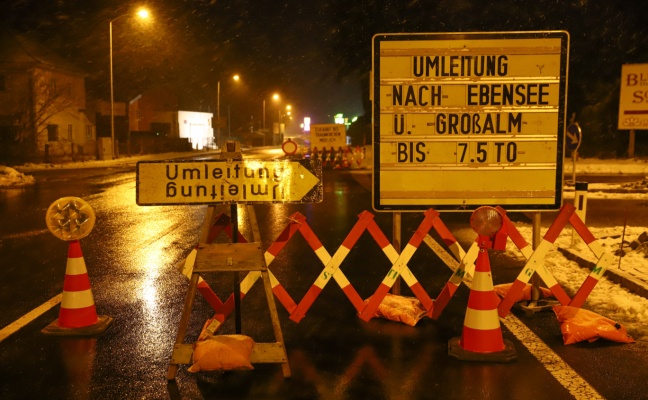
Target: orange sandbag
[407,310]
[222,353]
[503,289]
[578,325]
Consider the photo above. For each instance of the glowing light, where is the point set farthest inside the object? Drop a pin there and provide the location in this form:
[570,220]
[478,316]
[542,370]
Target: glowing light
[486,221]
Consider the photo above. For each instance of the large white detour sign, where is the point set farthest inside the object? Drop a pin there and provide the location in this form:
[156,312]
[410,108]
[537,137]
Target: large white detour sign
[463,120]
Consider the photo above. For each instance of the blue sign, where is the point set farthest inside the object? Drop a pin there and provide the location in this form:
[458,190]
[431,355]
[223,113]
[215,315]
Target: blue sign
[573,136]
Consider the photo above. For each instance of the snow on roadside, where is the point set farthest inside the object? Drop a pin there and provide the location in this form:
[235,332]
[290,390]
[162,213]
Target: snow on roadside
[608,299]
[11,177]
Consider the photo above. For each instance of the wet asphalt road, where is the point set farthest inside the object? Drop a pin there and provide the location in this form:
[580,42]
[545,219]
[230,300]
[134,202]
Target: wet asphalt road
[132,256]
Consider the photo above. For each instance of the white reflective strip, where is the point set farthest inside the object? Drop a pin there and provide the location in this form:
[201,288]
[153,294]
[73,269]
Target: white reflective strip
[80,299]
[603,263]
[482,319]
[527,251]
[391,253]
[331,267]
[482,281]
[564,374]
[596,248]
[341,279]
[323,255]
[398,266]
[75,266]
[273,281]
[535,261]
[457,250]
[269,258]
[249,280]
[546,276]
[187,267]
[409,277]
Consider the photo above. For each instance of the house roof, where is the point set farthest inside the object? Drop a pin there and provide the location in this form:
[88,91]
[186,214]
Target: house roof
[19,51]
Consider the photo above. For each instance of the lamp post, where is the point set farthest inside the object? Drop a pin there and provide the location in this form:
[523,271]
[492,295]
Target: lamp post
[235,78]
[143,14]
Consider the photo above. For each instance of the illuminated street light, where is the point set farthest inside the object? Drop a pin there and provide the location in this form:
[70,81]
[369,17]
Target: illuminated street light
[144,14]
[235,78]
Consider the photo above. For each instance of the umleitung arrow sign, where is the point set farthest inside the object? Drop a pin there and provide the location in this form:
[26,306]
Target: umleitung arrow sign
[228,181]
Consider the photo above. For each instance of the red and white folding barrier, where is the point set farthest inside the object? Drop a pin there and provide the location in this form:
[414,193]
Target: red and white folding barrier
[407,275]
[466,268]
[535,261]
[604,261]
[431,216]
[527,251]
[332,269]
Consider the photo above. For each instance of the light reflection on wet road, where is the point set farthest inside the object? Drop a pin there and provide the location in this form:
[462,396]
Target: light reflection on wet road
[132,257]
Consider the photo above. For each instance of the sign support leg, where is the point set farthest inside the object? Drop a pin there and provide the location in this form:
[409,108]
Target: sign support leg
[396,234]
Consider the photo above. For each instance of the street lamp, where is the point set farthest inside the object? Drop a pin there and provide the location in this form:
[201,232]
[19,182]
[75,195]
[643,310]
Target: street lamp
[142,13]
[235,78]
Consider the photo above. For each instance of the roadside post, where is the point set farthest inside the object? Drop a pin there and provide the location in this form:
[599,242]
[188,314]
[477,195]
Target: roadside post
[230,180]
[573,138]
[468,120]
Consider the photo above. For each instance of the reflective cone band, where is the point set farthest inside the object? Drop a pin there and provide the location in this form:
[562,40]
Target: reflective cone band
[482,332]
[77,306]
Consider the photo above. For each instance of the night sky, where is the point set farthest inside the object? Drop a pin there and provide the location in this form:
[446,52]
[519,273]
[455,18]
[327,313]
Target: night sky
[316,54]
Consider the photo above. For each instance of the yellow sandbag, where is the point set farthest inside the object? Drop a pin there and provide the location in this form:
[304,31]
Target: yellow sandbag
[407,310]
[578,325]
[503,289]
[222,353]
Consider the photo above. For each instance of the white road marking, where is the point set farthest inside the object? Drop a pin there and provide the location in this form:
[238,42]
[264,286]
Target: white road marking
[564,374]
[29,317]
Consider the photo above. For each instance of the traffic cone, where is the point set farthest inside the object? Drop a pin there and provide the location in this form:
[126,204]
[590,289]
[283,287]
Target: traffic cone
[481,339]
[78,314]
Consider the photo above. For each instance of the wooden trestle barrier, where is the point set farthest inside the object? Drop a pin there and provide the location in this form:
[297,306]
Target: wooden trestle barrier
[230,257]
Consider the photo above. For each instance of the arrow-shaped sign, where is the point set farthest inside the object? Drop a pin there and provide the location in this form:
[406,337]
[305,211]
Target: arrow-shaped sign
[228,181]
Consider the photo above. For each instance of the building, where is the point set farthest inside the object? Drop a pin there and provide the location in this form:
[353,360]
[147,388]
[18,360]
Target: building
[155,115]
[42,104]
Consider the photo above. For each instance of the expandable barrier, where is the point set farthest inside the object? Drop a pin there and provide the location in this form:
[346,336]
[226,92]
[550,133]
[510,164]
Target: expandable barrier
[463,272]
[534,263]
[342,158]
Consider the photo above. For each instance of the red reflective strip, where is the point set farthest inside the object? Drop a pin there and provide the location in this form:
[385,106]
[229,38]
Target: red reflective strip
[74,249]
[375,300]
[514,234]
[582,230]
[355,298]
[559,223]
[560,294]
[442,300]
[378,235]
[482,301]
[422,295]
[423,229]
[76,283]
[78,317]
[444,232]
[209,295]
[305,303]
[513,294]
[584,291]
[363,221]
[482,341]
[310,236]
[286,234]
[483,263]
[284,298]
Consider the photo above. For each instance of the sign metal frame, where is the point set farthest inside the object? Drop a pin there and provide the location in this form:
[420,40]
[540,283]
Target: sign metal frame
[210,182]
[419,78]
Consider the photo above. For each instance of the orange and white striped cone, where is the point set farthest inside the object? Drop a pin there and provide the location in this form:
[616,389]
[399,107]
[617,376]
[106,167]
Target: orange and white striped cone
[481,339]
[78,313]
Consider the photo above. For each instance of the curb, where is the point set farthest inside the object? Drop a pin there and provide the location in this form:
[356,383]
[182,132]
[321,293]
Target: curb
[624,279]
